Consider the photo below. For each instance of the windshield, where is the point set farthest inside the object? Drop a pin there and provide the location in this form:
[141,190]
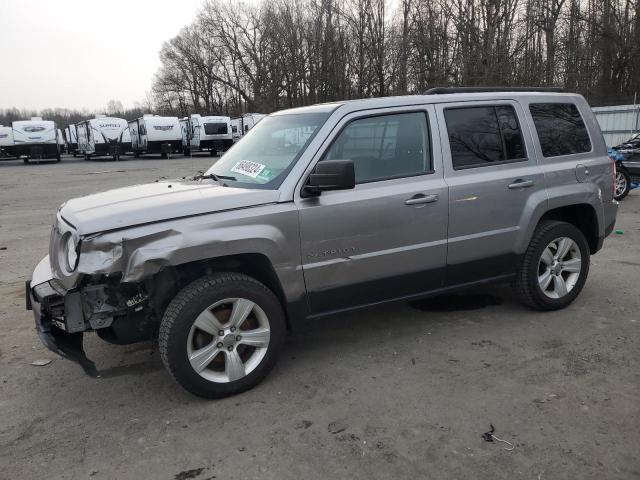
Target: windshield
[264,156]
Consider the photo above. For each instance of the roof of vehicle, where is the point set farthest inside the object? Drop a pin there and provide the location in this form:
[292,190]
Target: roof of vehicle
[103,119]
[18,123]
[156,119]
[215,118]
[408,100]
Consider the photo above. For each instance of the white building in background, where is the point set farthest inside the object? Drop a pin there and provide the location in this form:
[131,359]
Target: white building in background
[618,122]
[101,136]
[35,139]
[241,125]
[208,133]
[155,134]
[6,140]
[71,135]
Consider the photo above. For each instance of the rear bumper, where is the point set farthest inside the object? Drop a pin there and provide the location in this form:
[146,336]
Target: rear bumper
[44,150]
[164,147]
[107,149]
[218,144]
[67,345]
[610,214]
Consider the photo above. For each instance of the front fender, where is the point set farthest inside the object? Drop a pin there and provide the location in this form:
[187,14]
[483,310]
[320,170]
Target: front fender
[141,252]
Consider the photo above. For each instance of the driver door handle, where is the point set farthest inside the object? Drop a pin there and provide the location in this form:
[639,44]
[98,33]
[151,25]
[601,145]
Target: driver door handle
[420,199]
[521,184]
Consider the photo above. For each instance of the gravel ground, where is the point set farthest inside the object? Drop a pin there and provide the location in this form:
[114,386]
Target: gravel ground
[402,391]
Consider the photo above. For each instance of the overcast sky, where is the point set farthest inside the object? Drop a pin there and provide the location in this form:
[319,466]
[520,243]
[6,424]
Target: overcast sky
[83,53]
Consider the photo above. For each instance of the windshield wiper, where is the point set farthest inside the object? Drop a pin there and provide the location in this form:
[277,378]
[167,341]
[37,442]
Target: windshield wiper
[217,178]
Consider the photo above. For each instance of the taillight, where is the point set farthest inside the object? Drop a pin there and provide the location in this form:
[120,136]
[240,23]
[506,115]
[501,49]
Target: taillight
[613,176]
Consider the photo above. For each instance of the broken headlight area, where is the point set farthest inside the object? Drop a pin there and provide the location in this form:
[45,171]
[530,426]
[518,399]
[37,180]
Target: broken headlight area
[48,289]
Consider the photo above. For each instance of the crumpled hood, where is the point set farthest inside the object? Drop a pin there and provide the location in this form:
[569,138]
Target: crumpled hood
[155,202]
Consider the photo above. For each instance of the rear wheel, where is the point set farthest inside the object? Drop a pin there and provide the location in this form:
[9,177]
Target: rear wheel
[622,185]
[555,266]
[222,334]
[25,160]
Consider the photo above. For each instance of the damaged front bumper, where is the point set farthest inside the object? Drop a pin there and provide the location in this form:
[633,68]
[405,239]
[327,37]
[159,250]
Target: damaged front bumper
[117,312]
[66,344]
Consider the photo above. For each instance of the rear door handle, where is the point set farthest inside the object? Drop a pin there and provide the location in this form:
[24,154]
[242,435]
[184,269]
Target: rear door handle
[421,199]
[521,184]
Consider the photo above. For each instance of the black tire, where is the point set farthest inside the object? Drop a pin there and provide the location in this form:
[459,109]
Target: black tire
[190,302]
[25,160]
[527,285]
[164,155]
[213,152]
[625,177]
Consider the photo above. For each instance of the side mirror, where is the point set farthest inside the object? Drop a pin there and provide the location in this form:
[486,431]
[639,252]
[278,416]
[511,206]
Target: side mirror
[331,175]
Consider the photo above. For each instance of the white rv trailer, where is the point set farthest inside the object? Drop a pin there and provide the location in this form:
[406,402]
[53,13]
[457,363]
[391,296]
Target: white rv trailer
[6,140]
[35,139]
[60,141]
[155,134]
[210,133]
[71,134]
[241,125]
[126,141]
[101,137]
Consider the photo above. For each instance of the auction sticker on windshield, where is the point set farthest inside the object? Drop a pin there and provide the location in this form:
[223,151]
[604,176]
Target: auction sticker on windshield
[248,168]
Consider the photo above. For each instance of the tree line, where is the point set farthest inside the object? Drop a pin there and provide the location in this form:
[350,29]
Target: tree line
[261,57]
[66,116]
[237,57]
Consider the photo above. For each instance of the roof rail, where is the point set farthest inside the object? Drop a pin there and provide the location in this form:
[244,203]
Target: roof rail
[445,90]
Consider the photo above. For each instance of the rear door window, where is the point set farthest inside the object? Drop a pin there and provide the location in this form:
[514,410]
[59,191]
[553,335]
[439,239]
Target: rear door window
[484,136]
[560,128]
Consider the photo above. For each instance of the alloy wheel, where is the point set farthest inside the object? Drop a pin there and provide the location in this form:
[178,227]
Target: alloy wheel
[228,340]
[559,267]
[621,184]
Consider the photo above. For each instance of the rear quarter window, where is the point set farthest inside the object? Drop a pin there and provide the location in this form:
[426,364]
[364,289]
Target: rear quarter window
[560,129]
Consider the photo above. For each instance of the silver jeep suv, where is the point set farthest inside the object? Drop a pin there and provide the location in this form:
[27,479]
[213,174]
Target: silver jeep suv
[328,208]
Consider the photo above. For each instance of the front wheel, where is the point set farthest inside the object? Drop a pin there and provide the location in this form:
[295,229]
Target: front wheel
[622,185]
[555,266]
[222,334]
